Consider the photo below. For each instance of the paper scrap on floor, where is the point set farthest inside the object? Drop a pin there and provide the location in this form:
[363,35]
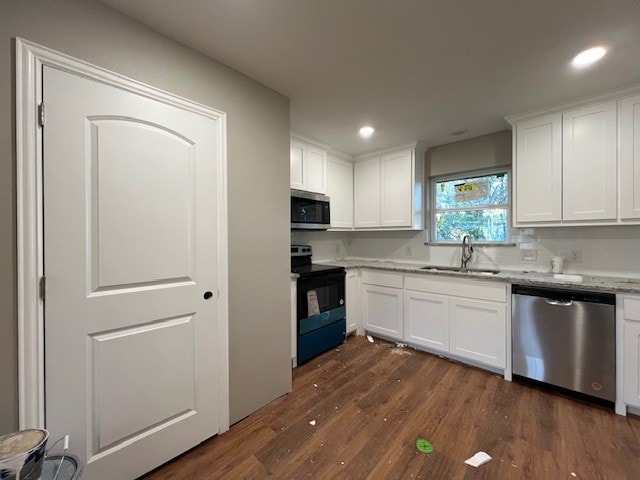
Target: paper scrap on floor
[478,459]
[370,338]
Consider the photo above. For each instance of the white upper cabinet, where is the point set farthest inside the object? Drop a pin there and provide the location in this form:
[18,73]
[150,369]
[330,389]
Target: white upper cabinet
[388,193]
[578,164]
[316,170]
[340,192]
[308,167]
[396,192]
[297,153]
[589,159]
[366,198]
[538,172]
[629,157]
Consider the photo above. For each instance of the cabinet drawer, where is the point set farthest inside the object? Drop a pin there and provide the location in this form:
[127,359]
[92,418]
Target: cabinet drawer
[383,279]
[631,307]
[495,292]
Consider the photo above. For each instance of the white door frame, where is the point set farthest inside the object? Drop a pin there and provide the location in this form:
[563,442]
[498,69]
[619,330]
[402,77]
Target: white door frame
[30,58]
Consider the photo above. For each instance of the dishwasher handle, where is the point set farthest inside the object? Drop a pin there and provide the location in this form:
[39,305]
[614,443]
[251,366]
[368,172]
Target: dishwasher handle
[559,303]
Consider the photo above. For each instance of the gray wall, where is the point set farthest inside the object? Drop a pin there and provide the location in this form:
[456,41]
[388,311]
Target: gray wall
[487,151]
[258,180]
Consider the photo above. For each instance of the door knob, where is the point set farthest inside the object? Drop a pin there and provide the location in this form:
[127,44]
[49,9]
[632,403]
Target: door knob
[208,295]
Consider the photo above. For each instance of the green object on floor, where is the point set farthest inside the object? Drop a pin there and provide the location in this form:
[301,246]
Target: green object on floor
[424,446]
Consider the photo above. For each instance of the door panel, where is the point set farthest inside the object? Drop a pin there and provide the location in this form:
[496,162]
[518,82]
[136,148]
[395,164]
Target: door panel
[629,125]
[538,170]
[123,406]
[589,149]
[632,364]
[140,238]
[366,193]
[397,192]
[316,165]
[426,320]
[478,331]
[382,310]
[130,247]
[340,191]
[297,154]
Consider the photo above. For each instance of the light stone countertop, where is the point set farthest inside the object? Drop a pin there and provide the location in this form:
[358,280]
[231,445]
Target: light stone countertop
[589,282]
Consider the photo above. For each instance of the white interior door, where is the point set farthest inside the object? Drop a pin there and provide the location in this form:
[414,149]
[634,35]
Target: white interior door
[130,249]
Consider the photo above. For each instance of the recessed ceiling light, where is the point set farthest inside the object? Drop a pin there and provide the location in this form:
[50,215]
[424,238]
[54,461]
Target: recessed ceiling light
[366,131]
[588,57]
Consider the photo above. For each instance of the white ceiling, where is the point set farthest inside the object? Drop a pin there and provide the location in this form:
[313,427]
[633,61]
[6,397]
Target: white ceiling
[413,69]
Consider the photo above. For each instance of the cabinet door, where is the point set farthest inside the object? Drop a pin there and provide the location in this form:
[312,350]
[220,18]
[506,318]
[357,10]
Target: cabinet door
[382,310]
[297,154]
[589,163]
[294,322]
[478,331]
[353,301]
[538,170]
[426,320]
[340,192]
[316,167]
[632,364]
[629,126]
[366,193]
[397,192]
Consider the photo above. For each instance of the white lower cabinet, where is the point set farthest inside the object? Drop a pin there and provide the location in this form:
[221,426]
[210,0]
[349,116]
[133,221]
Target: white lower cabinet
[353,304]
[632,364]
[462,318]
[382,310]
[426,320]
[478,331]
[631,349]
[294,322]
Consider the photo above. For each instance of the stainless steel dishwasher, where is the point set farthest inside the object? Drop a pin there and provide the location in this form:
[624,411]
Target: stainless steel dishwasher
[565,338]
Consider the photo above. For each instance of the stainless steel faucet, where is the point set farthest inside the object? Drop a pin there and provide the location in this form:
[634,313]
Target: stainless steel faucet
[467,251]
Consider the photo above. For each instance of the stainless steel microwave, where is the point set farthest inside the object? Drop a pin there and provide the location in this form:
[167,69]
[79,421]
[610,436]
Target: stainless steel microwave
[309,211]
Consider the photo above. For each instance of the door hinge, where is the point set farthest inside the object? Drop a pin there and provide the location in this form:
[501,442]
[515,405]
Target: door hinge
[43,287]
[41,114]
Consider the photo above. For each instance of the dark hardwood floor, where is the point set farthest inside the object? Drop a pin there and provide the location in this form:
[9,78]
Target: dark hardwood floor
[371,402]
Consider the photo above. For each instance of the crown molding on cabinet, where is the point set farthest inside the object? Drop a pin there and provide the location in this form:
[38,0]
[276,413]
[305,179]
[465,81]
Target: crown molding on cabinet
[575,103]
[419,145]
[309,140]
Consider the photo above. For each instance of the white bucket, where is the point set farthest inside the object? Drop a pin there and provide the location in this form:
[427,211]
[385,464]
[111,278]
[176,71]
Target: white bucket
[22,454]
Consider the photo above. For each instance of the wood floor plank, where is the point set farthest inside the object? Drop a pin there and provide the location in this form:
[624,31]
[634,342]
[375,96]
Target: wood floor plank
[372,401]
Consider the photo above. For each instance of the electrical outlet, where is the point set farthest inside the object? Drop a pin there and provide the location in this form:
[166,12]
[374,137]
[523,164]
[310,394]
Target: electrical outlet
[408,250]
[575,256]
[528,255]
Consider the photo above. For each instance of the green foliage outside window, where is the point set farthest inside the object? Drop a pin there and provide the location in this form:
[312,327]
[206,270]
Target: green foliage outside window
[478,206]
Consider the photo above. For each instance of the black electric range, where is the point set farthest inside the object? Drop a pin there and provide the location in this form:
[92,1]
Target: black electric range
[301,262]
[321,306]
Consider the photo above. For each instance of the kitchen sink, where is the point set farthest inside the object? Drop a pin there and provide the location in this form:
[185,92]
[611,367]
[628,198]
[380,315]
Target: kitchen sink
[477,271]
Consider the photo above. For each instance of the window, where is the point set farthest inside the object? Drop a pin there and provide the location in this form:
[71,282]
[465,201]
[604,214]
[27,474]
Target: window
[476,204]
